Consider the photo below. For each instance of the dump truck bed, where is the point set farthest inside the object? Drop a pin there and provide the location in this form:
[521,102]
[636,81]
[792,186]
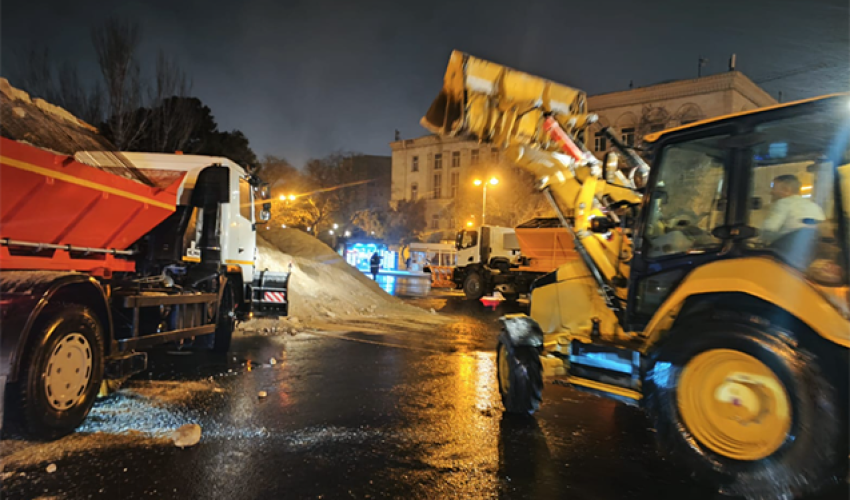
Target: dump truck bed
[545,243]
[52,199]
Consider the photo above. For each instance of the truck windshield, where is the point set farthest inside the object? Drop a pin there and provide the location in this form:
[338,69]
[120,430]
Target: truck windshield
[466,239]
[792,199]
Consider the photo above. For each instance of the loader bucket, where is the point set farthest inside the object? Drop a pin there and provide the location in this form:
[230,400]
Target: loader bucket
[492,103]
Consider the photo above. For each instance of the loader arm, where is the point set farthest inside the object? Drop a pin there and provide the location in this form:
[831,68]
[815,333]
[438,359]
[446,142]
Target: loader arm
[539,123]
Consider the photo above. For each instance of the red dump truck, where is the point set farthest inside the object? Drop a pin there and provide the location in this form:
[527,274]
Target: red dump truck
[104,254]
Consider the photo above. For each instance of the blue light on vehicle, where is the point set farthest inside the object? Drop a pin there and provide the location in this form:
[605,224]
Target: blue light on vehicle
[778,150]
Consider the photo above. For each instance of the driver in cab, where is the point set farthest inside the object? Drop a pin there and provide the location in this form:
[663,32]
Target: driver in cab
[789,211]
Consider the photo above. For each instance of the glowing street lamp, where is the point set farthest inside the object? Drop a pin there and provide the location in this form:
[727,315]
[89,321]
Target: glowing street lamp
[469,223]
[292,197]
[478,182]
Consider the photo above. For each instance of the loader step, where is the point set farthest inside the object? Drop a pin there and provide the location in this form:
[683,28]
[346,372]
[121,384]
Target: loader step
[612,366]
[621,394]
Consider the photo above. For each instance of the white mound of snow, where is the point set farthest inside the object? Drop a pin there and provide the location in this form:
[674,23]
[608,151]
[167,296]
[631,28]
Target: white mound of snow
[322,284]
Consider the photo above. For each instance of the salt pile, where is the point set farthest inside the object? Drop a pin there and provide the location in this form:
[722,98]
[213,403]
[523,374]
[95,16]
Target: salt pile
[322,285]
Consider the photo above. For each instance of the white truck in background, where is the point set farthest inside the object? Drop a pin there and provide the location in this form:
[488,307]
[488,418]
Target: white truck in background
[508,260]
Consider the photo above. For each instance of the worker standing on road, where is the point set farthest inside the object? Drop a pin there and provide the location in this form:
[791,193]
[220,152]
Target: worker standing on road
[375,265]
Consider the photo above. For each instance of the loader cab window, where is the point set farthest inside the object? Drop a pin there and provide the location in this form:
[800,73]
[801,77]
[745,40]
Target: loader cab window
[246,199]
[792,193]
[689,199]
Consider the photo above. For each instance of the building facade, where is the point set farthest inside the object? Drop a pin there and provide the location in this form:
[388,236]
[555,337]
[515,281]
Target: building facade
[438,169]
[637,112]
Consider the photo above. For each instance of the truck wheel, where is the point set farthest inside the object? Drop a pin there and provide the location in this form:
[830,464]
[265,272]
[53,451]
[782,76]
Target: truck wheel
[520,375]
[61,371]
[473,286]
[226,320]
[739,408]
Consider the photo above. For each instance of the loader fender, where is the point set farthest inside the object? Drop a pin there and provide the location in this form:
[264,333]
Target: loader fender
[25,294]
[520,330]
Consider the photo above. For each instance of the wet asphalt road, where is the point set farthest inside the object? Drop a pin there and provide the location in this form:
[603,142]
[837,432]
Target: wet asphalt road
[407,415]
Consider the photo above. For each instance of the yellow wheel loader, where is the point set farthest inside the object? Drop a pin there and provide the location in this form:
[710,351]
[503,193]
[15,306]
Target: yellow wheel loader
[711,289]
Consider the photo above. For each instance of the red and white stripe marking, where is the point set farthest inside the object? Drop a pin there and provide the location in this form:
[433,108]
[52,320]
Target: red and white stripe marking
[278,297]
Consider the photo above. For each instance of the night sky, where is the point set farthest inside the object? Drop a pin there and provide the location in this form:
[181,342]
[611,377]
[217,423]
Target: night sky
[305,78]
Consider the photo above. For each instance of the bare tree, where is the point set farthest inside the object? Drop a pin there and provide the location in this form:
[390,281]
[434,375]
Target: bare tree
[116,43]
[72,94]
[173,117]
[36,73]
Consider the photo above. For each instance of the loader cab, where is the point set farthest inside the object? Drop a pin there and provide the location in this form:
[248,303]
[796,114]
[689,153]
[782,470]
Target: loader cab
[773,184]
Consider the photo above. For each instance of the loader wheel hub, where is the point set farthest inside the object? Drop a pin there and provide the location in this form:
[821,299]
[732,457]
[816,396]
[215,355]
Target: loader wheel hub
[734,404]
[68,371]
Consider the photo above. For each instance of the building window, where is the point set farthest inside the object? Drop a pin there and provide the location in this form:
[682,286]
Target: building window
[601,142]
[415,165]
[455,158]
[452,223]
[494,155]
[473,158]
[628,136]
[435,221]
[438,186]
[438,161]
[454,181]
[414,191]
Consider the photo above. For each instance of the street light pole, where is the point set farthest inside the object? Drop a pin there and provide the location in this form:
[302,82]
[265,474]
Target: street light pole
[484,207]
[479,182]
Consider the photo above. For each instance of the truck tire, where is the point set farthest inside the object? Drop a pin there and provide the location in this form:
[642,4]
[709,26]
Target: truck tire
[62,369]
[520,375]
[473,286]
[738,408]
[226,320]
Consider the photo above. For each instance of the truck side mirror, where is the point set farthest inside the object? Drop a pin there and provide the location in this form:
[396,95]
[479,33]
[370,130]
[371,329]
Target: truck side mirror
[266,212]
[265,192]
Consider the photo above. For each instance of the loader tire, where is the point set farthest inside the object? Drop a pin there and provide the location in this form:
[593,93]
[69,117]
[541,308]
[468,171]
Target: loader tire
[61,372]
[226,321]
[715,385]
[520,375]
[473,286]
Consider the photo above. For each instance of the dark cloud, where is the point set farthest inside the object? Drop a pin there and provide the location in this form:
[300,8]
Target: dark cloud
[303,78]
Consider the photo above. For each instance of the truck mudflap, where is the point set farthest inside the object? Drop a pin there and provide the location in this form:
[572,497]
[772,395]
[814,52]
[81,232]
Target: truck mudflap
[270,293]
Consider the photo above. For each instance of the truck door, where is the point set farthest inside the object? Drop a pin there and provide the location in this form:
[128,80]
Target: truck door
[240,233]
[484,245]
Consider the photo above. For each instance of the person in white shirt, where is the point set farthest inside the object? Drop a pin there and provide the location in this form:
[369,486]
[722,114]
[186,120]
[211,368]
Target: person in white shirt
[789,211]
